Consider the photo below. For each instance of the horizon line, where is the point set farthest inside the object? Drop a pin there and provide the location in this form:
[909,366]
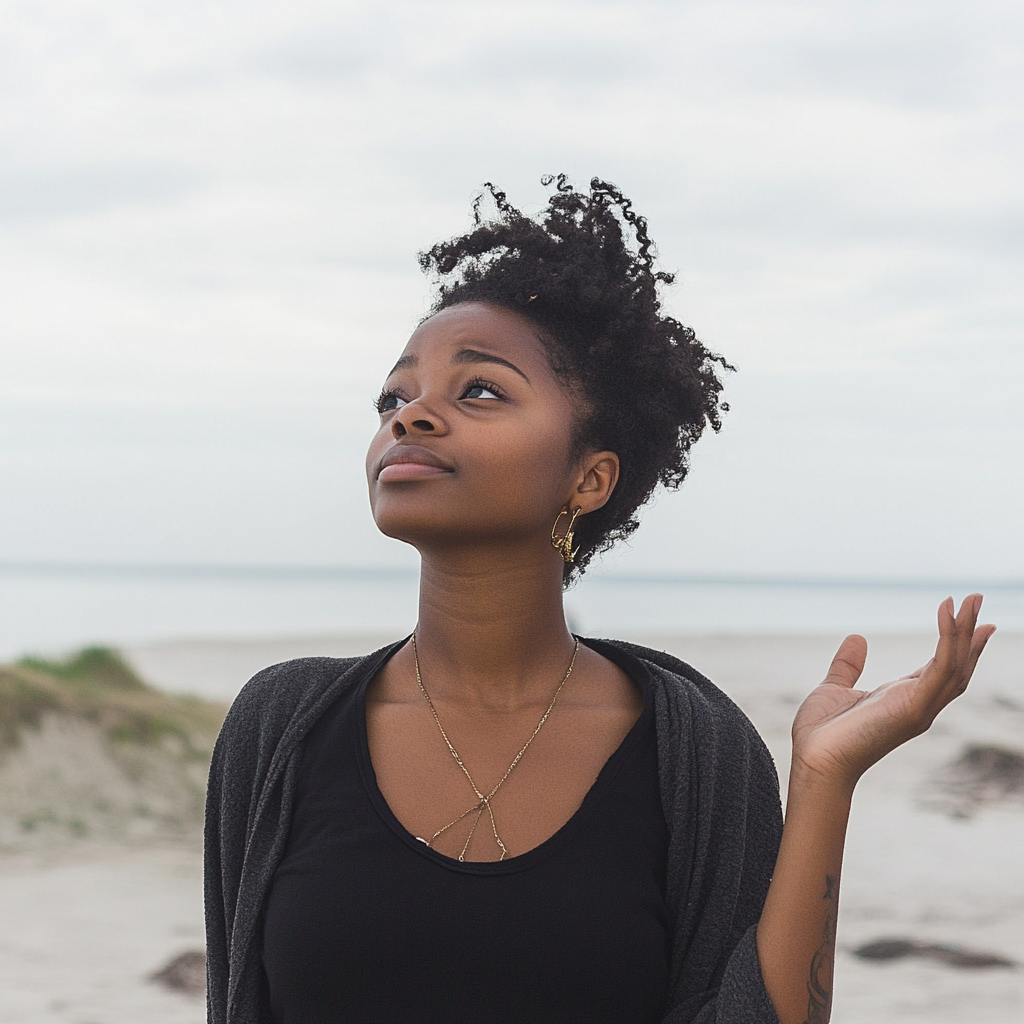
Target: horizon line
[139,570]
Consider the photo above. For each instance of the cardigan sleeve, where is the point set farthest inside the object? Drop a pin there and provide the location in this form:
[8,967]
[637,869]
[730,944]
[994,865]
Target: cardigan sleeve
[742,997]
[237,771]
[720,795]
[217,914]
[248,806]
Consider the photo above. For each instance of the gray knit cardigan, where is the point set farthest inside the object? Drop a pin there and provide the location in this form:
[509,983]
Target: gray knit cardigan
[719,792]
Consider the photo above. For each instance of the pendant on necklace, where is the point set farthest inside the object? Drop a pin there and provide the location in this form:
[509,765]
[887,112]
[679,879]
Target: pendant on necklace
[420,839]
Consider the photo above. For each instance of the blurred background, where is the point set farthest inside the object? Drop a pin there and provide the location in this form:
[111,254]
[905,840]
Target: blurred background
[209,218]
[209,221]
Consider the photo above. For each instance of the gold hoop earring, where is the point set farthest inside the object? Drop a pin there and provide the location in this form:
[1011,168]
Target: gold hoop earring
[563,544]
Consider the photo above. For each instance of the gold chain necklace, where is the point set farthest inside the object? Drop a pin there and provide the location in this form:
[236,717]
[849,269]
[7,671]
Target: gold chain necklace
[483,802]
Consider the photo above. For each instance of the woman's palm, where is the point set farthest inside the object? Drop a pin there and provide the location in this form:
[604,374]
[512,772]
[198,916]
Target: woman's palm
[840,732]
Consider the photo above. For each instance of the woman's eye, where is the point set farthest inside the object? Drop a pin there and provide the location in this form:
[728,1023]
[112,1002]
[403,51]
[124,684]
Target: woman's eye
[389,401]
[481,391]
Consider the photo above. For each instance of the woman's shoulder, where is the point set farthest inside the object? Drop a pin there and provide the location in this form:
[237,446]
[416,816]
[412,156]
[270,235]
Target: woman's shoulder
[282,694]
[692,713]
[288,682]
[285,685]
[706,741]
[676,681]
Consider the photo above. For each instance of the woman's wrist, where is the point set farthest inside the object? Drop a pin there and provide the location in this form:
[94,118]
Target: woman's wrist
[817,783]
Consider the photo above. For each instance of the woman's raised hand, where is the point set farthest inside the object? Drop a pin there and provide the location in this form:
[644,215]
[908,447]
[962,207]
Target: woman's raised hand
[839,732]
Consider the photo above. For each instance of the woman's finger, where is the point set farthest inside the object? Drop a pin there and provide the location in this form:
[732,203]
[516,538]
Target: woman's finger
[966,621]
[938,680]
[965,624]
[848,663]
[982,635]
[951,679]
[944,662]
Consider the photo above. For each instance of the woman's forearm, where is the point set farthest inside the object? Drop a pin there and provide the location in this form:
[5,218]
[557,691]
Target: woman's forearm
[838,733]
[796,936]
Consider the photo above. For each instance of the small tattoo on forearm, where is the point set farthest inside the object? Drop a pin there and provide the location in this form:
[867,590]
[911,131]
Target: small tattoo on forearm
[819,984]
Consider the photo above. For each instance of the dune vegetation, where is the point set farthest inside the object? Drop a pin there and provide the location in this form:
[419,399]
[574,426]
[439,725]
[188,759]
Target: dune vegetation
[88,750]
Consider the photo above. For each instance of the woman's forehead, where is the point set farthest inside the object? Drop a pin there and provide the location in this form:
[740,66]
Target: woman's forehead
[477,325]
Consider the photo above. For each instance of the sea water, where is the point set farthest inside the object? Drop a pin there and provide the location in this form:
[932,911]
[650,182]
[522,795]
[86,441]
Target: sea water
[50,609]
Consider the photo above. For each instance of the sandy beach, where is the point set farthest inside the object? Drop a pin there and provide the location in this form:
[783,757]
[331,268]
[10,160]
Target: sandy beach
[83,930]
[933,855]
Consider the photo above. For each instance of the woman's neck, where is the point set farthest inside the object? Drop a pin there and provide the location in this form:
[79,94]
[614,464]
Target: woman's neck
[492,629]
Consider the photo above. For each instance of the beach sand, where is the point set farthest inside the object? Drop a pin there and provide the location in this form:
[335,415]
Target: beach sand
[934,853]
[81,930]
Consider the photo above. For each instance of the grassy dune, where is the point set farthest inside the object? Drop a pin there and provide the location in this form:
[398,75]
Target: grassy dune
[88,750]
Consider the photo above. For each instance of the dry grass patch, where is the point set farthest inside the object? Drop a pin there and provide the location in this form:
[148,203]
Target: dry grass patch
[87,749]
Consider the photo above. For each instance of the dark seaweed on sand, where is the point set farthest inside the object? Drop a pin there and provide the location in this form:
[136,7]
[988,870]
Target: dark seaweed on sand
[947,954]
[184,973]
[983,774]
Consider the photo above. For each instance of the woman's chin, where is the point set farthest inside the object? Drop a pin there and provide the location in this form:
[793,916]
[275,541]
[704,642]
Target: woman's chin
[416,528]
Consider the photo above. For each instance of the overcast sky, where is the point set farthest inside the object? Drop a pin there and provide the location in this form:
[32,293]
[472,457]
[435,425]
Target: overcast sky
[209,216]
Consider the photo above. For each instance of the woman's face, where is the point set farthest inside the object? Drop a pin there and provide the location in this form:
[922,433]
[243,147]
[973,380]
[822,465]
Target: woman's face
[475,435]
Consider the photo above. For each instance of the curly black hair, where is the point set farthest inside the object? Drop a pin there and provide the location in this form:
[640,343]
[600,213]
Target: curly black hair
[644,386]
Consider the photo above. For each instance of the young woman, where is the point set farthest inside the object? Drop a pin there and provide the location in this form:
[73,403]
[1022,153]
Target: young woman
[493,820]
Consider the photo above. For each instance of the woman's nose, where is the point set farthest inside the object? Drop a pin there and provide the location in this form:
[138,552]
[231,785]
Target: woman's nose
[412,422]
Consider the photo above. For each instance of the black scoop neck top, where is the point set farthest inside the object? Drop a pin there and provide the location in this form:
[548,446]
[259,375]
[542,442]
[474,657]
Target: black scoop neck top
[366,923]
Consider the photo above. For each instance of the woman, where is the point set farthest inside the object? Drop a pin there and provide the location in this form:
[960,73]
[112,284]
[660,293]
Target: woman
[493,820]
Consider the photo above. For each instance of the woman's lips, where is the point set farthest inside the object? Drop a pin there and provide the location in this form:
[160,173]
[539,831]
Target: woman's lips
[410,462]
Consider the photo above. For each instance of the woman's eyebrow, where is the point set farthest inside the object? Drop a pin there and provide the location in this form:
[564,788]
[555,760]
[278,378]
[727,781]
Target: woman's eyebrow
[402,363]
[472,355]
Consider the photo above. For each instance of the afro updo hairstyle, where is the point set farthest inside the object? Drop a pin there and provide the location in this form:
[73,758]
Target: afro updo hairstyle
[644,386]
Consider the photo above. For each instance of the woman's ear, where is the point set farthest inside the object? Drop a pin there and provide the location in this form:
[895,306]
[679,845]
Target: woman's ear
[598,476]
